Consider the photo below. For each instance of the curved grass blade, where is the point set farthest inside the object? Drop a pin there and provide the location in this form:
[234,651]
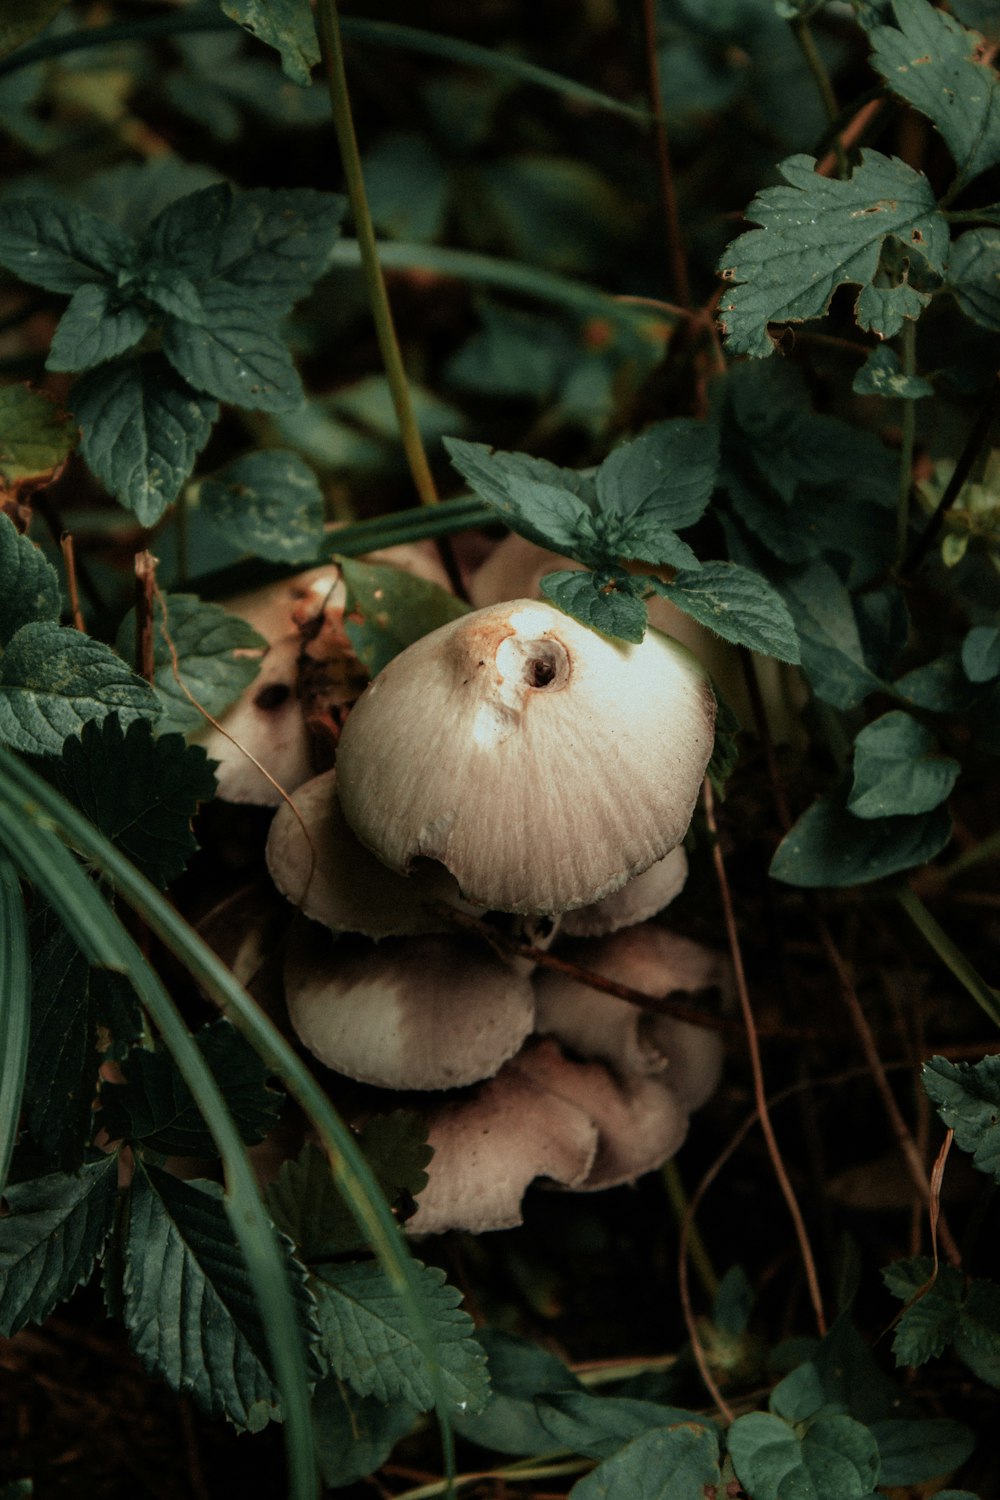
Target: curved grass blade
[15,1010]
[29,812]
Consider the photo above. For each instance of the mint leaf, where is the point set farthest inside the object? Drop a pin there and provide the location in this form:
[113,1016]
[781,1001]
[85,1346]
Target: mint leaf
[967,1096]
[835,1458]
[29,586]
[286,25]
[395,609]
[269,504]
[97,326]
[189,1304]
[665,477]
[737,604]
[235,355]
[139,790]
[829,846]
[529,493]
[142,431]
[52,680]
[674,1464]
[882,375]
[897,769]
[51,1238]
[820,233]
[974,276]
[218,656]
[369,1342]
[52,244]
[606,600]
[930,61]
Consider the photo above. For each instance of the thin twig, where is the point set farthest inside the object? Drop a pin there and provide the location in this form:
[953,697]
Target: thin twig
[69,563]
[909,347]
[668,193]
[145,591]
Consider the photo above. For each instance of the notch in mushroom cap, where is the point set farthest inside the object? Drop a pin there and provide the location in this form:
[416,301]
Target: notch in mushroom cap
[541,763]
[642,897]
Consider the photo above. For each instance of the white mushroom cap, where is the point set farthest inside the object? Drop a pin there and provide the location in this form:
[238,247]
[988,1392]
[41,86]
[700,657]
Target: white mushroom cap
[411,1013]
[630,1039]
[543,764]
[642,897]
[277,608]
[266,721]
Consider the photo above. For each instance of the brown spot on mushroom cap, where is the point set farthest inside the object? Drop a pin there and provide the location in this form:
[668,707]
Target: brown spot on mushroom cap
[687,1058]
[413,1013]
[266,721]
[537,798]
[322,867]
[642,897]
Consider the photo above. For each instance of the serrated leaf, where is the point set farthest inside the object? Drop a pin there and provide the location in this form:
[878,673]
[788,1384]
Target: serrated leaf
[305,1203]
[882,375]
[51,243]
[967,1096]
[235,355]
[980,653]
[267,503]
[36,437]
[142,429]
[829,846]
[98,325]
[31,17]
[676,1464]
[53,680]
[897,769]
[606,601]
[269,245]
[218,655]
[820,233]
[286,25]
[598,1426]
[913,1452]
[155,1106]
[500,478]
[51,1238]
[931,60]
[737,604]
[974,276]
[387,610]
[369,1342]
[354,1434]
[189,1305]
[835,1459]
[666,476]
[139,790]
[929,1321]
[29,585]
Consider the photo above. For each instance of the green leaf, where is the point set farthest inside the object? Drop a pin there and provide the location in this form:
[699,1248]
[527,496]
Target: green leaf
[677,1464]
[913,1452]
[218,655]
[286,25]
[737,604]
[529,493]
[820,233]
[29,585]
[155,1106]
[305,1203]
[519,1371]
[235,355]
[980,653]
[50,243]
[268,245]
[833,657]
[609,601]
[143,428]
[53,680]
[189,1305]
[51,1237]
[35,437]
[930,1320]
[897,769]
[800,1395]
[355,1434]
[369,1342]
[829,846]
[15,1015]
[96,326]
[835,1459]
[929,60]
[665,477]
[395,609]
[16,28]
[967,1096]
[598,1426]
[267,503]
[139,790]
[882,375]
[974,276]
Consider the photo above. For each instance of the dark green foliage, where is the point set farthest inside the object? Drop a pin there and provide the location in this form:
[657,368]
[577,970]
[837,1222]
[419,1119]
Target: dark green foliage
[387,610]
[519,1373]
[830,846]
[267,503]
[897,770]
[354,1434]
[598,1426]
[945,1308]
[29,588]
[660,1465]
[967,1096]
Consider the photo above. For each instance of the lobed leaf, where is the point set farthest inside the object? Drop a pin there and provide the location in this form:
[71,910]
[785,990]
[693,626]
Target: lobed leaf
[267,503]
[51,1238]
[675,1463]
[967,1096]
[98,325]
[820,233]
[897,769]
[736,603]
[945,1307]
[29,585]
[49,242]
[35,438]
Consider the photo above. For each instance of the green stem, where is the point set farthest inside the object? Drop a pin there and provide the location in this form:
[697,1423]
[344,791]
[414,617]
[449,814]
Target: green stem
[413,445]
[700,1259]
[15,1010]
[802,32]
[909,349]
[979,854]
[514,1472]
[984,995]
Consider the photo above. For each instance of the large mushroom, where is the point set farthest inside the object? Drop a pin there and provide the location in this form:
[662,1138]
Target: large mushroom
[541,763]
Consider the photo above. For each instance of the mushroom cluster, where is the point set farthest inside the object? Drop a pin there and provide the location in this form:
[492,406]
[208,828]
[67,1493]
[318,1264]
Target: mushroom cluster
[511,773]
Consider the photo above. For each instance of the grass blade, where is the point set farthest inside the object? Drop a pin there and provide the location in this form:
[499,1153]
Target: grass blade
[15,1010]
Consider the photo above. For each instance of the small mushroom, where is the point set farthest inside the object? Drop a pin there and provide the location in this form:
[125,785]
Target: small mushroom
[629,1038]
[543,764]
[414,1013]
[642,897]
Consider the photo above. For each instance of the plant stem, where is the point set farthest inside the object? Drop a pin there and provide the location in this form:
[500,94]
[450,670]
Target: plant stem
[909,348]
[950,954]
[513,1472]
[802,32]
[981,853]
[668,194]
[963,468]
[15,1024]
[333,61]
[695,1244]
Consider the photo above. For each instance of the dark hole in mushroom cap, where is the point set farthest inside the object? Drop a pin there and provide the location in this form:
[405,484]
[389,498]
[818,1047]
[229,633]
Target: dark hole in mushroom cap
[272,696]
[546,664]
[540,672]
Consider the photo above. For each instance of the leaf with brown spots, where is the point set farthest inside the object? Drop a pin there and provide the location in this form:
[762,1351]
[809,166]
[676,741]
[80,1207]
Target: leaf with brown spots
[36,438]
